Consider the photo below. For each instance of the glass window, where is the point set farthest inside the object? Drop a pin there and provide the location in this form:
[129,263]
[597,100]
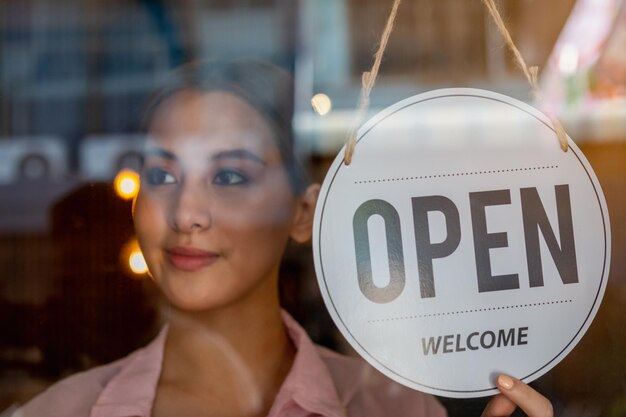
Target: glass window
[80,111]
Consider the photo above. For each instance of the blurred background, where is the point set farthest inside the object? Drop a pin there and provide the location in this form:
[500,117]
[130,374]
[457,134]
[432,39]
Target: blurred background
[75,78]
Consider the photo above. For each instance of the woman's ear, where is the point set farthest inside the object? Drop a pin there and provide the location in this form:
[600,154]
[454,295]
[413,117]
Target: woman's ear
[302,226]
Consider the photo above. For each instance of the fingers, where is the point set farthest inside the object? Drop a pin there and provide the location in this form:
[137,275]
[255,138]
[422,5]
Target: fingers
[499,406]
[520,394]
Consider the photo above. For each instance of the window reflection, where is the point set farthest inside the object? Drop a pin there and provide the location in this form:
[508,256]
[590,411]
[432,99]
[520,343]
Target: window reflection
[76,78]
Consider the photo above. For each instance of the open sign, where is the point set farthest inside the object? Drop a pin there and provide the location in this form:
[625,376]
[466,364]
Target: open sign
[535,220]
[461,242]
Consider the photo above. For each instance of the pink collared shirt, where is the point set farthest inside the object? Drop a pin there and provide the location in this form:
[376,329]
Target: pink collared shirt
[320,383]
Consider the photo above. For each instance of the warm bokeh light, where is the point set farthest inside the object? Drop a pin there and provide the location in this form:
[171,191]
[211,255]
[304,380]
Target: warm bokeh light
[321,104]
[126,184]
[132,259]
[137,263]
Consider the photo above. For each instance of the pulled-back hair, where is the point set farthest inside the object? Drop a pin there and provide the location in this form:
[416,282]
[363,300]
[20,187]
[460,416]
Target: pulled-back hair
[266,87]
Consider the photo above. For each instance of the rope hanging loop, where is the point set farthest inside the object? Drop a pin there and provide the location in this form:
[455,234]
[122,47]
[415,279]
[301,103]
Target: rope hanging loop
[368,78]
[531,74]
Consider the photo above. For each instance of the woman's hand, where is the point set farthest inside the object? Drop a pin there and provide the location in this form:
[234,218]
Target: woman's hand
[515,393]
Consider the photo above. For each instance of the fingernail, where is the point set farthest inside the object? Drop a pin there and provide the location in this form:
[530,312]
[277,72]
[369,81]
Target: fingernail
[505,382]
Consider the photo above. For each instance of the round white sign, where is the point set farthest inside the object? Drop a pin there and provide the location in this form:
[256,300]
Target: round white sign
[461,242]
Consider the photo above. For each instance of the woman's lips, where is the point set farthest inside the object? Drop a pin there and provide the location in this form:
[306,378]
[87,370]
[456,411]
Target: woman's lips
[190,259]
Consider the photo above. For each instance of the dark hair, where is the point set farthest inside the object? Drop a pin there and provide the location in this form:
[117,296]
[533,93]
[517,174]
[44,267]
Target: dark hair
[266,87]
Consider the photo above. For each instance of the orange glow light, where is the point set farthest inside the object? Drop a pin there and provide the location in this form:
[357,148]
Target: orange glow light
[137,263]
[132,259]
[126,184]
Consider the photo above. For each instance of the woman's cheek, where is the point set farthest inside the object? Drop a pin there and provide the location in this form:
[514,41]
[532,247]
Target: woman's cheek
[258,210]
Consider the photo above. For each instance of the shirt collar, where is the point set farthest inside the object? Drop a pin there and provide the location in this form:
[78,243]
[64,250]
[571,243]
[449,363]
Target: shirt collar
[309,383]
[131,392]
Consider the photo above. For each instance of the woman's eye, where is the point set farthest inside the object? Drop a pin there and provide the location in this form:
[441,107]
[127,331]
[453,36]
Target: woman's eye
[228,177]
[158,176]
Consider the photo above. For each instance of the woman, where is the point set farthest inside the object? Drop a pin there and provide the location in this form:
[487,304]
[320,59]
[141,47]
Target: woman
[221,196]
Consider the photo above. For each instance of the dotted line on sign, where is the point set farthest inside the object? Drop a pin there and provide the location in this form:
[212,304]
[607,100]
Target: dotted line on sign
[455,174]
[452,313]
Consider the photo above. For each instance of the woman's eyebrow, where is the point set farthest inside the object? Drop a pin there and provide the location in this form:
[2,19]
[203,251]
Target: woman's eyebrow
[238,153]
[160,153]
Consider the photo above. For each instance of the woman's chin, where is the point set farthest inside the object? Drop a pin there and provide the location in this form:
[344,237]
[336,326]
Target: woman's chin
[194,302]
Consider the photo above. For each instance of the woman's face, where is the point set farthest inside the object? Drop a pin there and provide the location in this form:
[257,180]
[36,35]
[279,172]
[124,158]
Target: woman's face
[215,209]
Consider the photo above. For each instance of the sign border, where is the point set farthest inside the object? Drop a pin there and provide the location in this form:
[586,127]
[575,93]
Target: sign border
[338,163]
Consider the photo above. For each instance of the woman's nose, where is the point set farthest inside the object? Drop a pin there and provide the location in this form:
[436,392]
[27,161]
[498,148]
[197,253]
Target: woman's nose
[191,210]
